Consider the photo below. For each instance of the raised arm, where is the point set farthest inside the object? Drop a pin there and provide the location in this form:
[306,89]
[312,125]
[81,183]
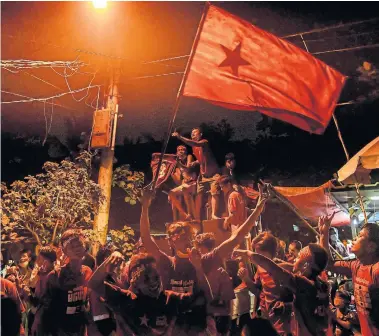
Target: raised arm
[226,247]
[96,282]
[190,142]
[195,259]
[243,274]
[340,267]
[278,273]
[148,242]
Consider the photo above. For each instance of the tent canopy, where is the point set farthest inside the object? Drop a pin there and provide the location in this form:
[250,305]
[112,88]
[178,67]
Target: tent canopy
[312,202]
[366,159]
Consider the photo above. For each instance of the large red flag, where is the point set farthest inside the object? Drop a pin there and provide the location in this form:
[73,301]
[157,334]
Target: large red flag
[242,67]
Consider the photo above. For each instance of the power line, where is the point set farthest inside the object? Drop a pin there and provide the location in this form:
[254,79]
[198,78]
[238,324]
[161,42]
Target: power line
[29,64]
[318,30]
[47,98]
[159,75]
[32,99]
[42,80]
[342,36]
[347,49]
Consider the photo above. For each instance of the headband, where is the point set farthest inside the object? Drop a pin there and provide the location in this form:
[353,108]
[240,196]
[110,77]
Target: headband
[69,240]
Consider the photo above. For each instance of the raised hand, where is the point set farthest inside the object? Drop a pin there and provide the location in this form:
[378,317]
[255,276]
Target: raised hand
[324,223]
[115,259]
[227,224]
[175,134]
[195,258]
[264,192]
[147,197]
[243,274]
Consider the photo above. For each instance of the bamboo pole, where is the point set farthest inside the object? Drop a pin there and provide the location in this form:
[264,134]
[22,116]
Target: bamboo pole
[180,91]
[354,177]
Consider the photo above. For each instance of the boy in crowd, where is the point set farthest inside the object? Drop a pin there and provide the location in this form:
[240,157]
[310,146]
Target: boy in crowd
[311,292]
[66,295]
[177,272]
[208,165]
[185,191]
[229,168]
[221,285]
[101,314]
[275,301]
[11,309]
[24,265]
[345,319]
[37,283]
[335,242]
[293,251]
[364,271]
[146,308]
[236,205]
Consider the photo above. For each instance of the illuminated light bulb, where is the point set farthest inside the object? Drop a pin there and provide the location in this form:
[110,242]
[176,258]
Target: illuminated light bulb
[100,3]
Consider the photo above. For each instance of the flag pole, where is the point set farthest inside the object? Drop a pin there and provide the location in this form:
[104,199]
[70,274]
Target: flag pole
[348,158]
[180,91]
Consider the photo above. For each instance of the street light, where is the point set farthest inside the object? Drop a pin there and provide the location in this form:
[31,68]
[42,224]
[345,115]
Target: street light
[99,4]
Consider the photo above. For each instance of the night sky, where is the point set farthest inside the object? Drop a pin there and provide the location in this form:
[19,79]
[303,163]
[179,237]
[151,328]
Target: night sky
[145,31]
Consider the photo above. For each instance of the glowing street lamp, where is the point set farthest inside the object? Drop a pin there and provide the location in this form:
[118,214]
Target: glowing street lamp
[99,4]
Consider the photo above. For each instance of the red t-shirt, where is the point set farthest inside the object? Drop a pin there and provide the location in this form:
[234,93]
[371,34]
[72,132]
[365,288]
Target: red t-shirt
[208,165]
[365,277]
[9,289]
[237,207]
[271,293]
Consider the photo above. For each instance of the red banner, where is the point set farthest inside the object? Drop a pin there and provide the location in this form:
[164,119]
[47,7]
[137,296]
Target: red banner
[241,67]
[167,167]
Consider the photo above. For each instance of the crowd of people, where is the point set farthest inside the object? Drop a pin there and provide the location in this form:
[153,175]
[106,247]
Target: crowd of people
[196,287]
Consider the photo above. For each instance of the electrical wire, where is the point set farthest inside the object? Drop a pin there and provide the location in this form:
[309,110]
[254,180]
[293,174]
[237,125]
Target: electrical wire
[318,30]
[23,96]
[343,36]
[46,98]
[29,64]
[42,80]
[159,75]
[347,49]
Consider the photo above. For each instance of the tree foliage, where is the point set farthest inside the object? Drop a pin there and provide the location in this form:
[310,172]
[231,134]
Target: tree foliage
[123,239]
[41,207]
[130,181]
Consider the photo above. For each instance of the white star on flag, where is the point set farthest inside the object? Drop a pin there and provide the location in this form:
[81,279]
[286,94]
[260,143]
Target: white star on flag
[144,320]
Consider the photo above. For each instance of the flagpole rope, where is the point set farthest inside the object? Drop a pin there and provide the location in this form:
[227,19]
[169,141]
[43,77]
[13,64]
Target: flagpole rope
[180,91]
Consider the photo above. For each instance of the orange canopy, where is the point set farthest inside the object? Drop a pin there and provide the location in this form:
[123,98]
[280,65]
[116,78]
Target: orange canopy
[312,202]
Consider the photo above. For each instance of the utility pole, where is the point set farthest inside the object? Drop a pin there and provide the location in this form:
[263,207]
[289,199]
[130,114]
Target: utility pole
[106,163]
